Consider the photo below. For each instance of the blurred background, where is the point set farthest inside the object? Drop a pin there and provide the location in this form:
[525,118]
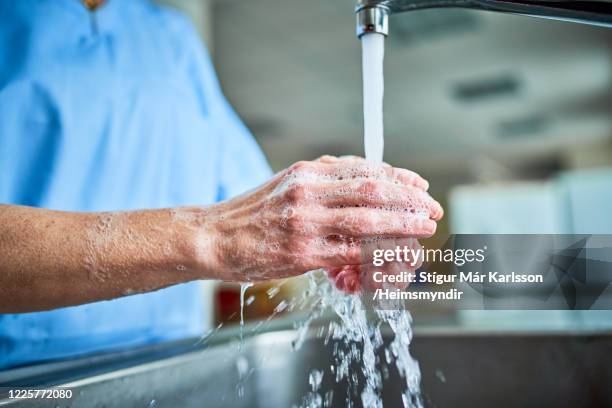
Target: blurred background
[508,117]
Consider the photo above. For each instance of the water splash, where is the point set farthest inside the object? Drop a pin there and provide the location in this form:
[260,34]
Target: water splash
[400,322]
[242,365]
[360,357]
[357,341]
[313,399]
[273,291]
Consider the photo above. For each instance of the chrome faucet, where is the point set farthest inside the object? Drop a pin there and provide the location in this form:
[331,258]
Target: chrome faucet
[373,15]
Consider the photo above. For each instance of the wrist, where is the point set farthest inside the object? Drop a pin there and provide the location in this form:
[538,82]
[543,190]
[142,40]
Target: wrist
[200,241]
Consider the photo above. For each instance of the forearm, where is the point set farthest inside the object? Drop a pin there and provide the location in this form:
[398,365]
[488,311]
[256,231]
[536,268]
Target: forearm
[51,259]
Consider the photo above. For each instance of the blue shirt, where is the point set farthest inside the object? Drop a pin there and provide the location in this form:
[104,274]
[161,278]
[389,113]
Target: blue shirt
[123,117]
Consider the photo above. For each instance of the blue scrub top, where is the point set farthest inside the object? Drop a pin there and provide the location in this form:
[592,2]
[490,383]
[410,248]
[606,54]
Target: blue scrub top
[123,117]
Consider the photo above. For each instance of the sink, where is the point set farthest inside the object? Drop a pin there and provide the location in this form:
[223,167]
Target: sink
[458,370]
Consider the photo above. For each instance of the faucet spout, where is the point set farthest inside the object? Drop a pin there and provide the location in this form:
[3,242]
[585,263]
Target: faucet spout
[373,19]
[372,15]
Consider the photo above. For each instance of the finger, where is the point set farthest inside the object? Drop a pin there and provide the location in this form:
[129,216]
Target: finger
[364,169]
[335,159]
[334,271]
[371,193]
[409,178]
[327,159]
[335,256]
[437,211]
[354,167]
[358,278]
[330,168]
[367,222]
[403,176]
[346,278]
[305,181]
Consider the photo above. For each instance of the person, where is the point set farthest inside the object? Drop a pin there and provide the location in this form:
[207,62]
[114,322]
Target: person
[122,166]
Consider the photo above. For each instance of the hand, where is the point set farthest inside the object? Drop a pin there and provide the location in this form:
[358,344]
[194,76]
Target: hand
[315,214]
[358,278]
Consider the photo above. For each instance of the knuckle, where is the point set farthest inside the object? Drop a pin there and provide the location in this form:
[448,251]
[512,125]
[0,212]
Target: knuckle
[301,254]
[300,166]
[367,225]
[411,178]
[294,245]
[296,193]
[425,227]
[326,158]
[370,187]
[296,222]
[351,157]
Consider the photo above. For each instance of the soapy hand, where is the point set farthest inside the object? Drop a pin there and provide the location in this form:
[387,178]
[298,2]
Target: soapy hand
[315,214]
[358,278]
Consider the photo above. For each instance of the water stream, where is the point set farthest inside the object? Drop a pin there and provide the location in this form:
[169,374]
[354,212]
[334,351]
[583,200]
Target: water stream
[397,318]
[356,335]
[243,289]
[372,56]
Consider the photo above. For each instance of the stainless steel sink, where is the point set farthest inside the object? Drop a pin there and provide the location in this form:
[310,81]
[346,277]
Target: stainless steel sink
[458,370]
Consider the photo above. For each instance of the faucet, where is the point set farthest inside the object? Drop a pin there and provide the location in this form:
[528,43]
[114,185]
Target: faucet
[373,15]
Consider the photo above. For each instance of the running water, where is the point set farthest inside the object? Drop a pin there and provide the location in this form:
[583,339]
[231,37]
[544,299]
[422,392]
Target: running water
[357,343]
[242,363]
[398,318]
[357,337]
[243,289]
[373,52]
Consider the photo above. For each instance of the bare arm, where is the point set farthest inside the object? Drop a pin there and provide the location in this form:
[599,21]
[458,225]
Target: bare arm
[312,215]
[50,259]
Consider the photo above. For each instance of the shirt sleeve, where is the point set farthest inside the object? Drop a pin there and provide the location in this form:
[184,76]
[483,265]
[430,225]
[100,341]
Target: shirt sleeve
[241,164]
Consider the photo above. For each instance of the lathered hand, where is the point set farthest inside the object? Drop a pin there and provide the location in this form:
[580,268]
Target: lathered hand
[315,214]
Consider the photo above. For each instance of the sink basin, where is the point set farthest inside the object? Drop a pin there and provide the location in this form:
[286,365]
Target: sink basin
[458,370]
